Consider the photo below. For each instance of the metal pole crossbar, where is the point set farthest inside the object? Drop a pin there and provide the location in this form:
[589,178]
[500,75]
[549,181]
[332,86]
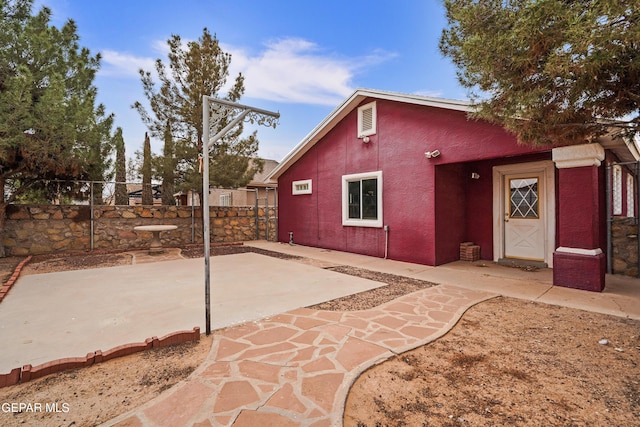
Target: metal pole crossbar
[243,112]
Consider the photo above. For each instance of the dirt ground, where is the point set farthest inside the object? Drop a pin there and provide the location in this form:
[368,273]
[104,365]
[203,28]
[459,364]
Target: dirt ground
[507,362]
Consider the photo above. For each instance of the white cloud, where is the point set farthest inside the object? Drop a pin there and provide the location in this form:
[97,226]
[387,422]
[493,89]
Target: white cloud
[297,71]
[289,70]
[116,64]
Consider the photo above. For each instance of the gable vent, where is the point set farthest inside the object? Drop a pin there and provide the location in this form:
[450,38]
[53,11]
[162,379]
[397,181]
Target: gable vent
[367,119]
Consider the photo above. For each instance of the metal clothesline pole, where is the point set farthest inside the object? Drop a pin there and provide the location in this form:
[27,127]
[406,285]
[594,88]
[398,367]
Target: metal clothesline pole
[207,144]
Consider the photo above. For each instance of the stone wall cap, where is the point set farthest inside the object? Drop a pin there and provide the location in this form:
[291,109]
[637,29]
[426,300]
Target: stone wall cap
[155,227]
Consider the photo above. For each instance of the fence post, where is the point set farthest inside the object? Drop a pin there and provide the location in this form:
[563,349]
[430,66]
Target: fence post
[256,216]
[275,212]
[193,220]
[636,214]
[266,213]
[92,216]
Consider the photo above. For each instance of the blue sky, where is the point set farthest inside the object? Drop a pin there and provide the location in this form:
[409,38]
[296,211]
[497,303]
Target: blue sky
[300,58]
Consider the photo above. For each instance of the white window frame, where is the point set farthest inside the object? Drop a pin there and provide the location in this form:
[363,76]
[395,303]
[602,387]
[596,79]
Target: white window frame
[352,222]
[617,190]
[225,200]
[372,130]
[631,192]
[302,186]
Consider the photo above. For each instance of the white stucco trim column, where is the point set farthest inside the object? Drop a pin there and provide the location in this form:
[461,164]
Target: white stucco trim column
[579,251]
[574,156]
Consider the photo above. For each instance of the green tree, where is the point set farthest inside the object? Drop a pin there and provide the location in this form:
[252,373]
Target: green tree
[50,126]
[121,196]
[549,71]
[199,68]
[168,167]
[147,192]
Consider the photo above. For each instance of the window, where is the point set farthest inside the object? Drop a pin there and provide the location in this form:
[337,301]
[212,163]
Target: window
[362,199]
[367,119]
[301,187]
[617,190]
[630,196]
[225,200]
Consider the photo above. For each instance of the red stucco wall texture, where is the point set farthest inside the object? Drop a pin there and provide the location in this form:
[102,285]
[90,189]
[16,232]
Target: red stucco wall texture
[582,208]
[430,205]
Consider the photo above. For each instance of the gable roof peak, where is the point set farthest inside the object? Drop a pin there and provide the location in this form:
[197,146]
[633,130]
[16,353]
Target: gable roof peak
[412,98]
[351,102]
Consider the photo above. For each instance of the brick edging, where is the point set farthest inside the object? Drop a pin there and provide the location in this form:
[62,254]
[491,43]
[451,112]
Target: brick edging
[29,372]
[12,280]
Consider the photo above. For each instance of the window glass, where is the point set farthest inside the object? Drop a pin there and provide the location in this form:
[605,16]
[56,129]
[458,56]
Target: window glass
[523,198]
[354,200]
[370,198]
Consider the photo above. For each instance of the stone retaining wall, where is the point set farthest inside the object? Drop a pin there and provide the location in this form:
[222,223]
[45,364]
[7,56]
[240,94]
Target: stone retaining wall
[624,237]
[37,229]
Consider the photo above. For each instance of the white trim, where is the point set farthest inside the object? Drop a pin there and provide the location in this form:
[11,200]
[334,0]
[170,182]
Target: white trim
[579,251]
[575,156]
[631,191]
[350,222]
[303,186]
[616,189]
[544,167]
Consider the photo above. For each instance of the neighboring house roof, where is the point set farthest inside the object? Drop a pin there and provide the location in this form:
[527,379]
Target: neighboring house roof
[346,107]
[258,179]
[135,190]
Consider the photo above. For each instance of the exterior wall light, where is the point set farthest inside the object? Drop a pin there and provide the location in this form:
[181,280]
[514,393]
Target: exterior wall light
[432,154]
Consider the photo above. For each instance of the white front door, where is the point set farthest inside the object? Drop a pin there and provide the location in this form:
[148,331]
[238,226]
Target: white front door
[524,211]
[524,225]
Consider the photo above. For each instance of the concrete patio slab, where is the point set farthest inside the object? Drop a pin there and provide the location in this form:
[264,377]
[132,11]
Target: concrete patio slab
[621,296]
[69,314]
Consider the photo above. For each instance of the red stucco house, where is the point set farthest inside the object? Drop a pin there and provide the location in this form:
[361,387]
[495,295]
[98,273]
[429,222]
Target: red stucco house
[410,178]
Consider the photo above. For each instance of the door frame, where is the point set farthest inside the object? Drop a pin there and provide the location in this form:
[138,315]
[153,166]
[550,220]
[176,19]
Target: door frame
[546,169]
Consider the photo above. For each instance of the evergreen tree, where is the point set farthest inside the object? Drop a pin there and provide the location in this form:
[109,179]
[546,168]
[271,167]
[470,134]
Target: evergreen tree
[168,166]
[550,71]
[121,196]
[200,68]
[147,192]
[50,126]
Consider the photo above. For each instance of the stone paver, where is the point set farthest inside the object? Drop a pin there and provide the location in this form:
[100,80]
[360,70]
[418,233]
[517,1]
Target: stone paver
[295,369]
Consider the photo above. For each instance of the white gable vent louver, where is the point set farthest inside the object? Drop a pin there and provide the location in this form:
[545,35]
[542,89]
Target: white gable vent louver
[367,120]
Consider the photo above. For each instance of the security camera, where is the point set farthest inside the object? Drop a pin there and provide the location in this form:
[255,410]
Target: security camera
[432,154]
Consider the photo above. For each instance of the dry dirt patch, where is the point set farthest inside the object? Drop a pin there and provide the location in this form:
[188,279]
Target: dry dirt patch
[510,362]
[90,396]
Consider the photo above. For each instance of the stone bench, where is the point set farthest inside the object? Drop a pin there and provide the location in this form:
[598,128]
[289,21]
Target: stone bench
[156,243]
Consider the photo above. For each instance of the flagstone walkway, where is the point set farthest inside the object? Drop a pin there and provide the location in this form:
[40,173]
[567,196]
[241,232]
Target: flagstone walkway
[296,369]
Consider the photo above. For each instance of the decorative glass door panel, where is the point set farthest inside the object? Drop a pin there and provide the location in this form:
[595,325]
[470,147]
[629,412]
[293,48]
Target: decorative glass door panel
[523,198]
